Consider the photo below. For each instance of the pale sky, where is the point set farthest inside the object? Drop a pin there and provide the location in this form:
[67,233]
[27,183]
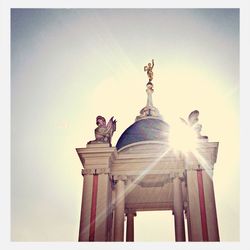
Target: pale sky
[68,66]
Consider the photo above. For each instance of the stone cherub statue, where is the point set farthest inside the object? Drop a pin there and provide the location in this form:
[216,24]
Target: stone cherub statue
[149,69]
[104,132]
[192,122]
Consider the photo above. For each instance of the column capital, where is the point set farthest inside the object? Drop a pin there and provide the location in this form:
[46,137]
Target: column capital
[92,171]
[120,178]
[208,170]
[175,175]
[130,212]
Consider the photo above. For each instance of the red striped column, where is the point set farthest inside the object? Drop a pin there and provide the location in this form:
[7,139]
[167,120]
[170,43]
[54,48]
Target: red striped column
[202,206]
[93,208]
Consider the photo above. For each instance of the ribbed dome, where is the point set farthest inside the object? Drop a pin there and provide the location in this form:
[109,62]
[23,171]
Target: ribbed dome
[148,129]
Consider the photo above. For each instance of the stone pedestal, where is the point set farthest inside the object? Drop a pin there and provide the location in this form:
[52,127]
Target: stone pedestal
[96,210]
[201,211]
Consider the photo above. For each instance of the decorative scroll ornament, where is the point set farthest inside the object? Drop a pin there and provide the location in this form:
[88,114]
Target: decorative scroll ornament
[193,123]
[104,132]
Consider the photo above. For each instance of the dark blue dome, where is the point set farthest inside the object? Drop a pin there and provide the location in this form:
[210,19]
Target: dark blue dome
[149,129]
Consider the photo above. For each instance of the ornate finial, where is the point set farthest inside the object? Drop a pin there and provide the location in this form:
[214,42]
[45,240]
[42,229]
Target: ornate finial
[104,132]
[149,110]
[149,69]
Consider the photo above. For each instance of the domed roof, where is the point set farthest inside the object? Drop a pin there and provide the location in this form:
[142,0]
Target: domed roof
[148,129]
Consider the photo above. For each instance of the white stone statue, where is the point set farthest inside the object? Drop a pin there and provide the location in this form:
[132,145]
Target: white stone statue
[104,132]
[193,123]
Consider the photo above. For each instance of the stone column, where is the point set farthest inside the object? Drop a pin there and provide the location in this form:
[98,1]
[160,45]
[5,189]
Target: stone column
[86,208]
[211,214]
[130,225]
[119,209]
[185,207]
[201,210]
[178,210]
[113,215]
[194,218]
[95,224]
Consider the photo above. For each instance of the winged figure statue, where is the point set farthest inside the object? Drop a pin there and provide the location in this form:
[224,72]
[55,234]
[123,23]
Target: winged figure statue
[104,132]
[193,119]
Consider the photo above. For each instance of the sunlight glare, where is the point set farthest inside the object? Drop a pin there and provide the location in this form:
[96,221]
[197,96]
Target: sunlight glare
[182,137]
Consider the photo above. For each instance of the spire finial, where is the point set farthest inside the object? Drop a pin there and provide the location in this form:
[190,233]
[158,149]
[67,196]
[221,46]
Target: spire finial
[149,69]
[149,110]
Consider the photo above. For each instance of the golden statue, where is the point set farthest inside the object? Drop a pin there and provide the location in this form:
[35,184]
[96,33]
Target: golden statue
[149,69]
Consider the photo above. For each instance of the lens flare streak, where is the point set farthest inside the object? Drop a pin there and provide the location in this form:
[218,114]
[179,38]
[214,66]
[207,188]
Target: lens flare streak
[103,215]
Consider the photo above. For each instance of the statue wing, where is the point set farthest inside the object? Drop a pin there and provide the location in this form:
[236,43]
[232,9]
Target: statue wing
[193,117]
[111,126]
